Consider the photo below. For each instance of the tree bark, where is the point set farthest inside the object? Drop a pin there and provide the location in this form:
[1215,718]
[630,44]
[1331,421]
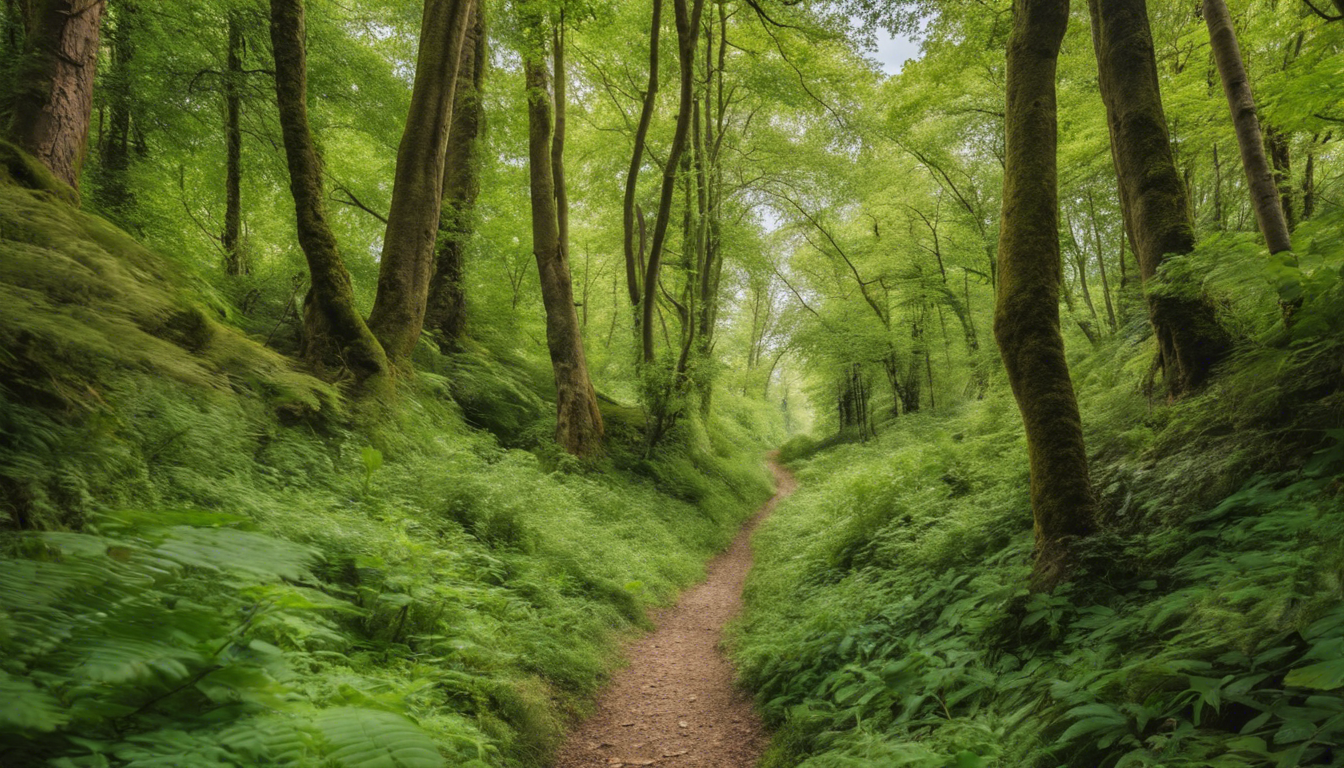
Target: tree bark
[1153,195]
[633,266]
[688,29]
[336,340]
[446,311]
[398,313]
[235,261]
[1237,88]
[51,97]
[1280,155]
[579,428]
[1026,313]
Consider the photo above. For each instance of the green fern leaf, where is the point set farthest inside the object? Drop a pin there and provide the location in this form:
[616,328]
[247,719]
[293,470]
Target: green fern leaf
[366,738]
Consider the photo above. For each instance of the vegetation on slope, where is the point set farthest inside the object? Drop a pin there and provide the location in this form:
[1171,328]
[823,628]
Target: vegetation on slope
[889,619]
[222,562]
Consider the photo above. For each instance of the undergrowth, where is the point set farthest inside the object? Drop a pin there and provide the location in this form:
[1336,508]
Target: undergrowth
[888,619]
[209,558]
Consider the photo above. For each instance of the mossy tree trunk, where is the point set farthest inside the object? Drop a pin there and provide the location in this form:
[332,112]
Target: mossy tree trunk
[336,340]
[235,261]
[51,96]
[404,272]
[688,29]
[579,428]
[1237,87]
[1152,194]
[446,311]
[1026,313]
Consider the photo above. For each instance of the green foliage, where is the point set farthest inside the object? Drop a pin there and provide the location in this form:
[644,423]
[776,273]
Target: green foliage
[198,560]
[888,621]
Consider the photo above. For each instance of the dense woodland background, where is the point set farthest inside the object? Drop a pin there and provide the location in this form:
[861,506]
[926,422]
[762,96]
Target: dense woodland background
[367,368]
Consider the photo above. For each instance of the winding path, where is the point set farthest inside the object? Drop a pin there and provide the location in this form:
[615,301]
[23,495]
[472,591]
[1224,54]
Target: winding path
[675,704]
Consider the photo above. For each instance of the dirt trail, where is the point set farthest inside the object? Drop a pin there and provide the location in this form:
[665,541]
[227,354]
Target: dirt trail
[675,705]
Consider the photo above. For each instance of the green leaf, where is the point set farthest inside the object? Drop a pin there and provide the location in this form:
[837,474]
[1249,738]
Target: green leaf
[367,738]
[1325,676]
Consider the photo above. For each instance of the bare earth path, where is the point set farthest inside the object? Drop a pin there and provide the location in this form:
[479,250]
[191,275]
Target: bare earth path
[675,705]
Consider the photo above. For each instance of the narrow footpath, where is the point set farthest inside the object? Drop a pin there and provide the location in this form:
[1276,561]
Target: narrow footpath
[675,704]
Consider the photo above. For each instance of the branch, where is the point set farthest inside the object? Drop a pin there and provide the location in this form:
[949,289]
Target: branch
[355,202]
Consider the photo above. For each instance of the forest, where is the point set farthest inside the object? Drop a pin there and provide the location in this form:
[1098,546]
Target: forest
[377,376]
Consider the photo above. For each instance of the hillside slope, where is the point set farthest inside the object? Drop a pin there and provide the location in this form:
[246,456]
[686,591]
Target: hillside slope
[209,557]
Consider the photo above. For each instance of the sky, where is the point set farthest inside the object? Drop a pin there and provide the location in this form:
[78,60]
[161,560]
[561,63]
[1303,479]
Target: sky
[893,51]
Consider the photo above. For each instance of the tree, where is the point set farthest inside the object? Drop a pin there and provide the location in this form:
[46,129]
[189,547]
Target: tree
[51,98]
[1237,87]
[446,309]
[688,29]
[235,261]
[398,313]
[1026,313]
[579,428]
[336,341]
[634,264]
[1154,200]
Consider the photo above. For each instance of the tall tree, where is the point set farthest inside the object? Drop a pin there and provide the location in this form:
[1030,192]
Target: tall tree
[579,428]
[688,29]
[1026,313]
[112,190]
[398,313]
[1237,87]
[446,309]
[336,340]
[1152,193]
[235,261]
[50,100]
[634,263]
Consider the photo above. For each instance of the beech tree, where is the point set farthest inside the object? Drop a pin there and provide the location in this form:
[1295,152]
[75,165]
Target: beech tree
[1154,199]
[446,309]
[51,97]
[579,428]
[336,341]
[1026,313]
[1237,87]
[417,194]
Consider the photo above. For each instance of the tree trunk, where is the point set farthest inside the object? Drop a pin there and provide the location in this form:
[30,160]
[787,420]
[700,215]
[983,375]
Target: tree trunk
[398,313]
[1237,88]
[1280,155]
[1153,196]
[112,191]
[446,309]
[579,427]
[688,29]
[1309,180]
[1101,261]
[633,267]
[1218,218]
[235,261]
[336,340]
[1026,314]
[51,97]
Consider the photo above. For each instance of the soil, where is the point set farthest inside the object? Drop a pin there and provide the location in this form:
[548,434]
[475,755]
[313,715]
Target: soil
[675,704]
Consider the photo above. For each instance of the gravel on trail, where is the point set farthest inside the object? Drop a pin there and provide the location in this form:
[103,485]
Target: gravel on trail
[675,705]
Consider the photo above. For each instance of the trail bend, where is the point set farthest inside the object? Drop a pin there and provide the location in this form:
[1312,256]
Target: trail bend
[675,704]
